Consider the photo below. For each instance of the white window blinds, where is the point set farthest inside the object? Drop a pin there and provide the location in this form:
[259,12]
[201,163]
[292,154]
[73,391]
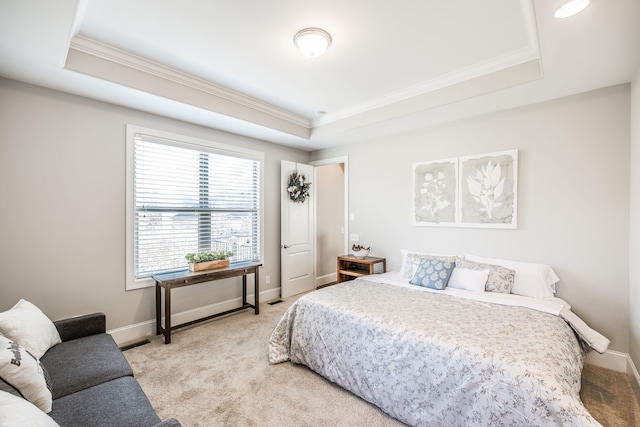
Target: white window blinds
[190,198]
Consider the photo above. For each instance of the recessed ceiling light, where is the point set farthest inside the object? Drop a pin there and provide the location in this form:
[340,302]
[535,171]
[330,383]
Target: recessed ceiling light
[570,8]
[312,42]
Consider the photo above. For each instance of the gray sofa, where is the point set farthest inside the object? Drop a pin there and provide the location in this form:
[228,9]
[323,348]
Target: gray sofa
[91,381]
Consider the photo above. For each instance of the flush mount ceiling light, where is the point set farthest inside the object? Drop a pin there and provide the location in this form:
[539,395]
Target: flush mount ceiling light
[570,8]
[312,42]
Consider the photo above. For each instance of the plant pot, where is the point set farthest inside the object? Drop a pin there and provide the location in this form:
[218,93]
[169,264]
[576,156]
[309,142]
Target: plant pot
[209,265]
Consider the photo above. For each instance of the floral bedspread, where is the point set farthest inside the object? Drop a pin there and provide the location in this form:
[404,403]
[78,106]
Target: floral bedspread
[430,359]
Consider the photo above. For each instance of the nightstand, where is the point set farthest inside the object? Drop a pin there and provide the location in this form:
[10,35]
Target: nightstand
[350,267]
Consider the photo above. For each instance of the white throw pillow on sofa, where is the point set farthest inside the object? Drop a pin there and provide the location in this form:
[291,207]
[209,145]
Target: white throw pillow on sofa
[24,372]
[531,279]
[29,327]
[15,411]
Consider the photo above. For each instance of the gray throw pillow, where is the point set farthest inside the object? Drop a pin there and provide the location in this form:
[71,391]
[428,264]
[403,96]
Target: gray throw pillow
[500,278]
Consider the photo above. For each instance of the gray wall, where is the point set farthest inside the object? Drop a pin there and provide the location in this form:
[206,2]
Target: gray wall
[62,216]
[573,196]
[62,195]
[634,235]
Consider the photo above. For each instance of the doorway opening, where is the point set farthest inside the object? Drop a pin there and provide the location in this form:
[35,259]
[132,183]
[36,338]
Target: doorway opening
[331,217]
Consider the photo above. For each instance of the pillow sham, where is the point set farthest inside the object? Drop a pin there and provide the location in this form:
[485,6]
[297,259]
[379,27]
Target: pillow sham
[411,260]
[531,279]
[31,328]
[500,278]
[433,273]
[468,279]
[24,372]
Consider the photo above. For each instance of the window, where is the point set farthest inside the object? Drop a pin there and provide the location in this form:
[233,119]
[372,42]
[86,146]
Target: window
[187,195]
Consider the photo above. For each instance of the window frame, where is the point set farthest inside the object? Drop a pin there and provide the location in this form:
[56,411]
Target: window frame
[183,141]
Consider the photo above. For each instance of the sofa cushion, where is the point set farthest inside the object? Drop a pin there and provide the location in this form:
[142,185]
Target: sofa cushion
[120,402]
[82,363]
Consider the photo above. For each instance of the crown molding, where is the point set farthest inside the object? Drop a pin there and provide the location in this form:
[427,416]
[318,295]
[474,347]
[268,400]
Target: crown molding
[86,45]
[512,59]
[504,62]
[207,95]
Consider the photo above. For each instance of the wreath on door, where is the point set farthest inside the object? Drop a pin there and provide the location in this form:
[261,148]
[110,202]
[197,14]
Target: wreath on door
[298,187]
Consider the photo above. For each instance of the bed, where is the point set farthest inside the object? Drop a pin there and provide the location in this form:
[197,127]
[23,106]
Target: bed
[443,357]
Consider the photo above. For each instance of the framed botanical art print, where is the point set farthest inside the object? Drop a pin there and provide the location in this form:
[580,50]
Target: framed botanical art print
[435,197]
[488,195]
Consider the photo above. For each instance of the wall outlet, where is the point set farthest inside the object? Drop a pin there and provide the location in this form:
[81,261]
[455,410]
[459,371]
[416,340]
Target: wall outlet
[355,237]
[267,280]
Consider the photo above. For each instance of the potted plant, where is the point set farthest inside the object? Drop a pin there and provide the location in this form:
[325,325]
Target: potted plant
[208,260]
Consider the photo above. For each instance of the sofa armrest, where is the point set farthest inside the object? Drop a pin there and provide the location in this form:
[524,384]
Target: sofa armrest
[169,422]
[81,326]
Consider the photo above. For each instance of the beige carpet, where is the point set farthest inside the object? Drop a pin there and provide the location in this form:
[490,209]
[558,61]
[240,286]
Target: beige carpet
[609,397]
[217,374]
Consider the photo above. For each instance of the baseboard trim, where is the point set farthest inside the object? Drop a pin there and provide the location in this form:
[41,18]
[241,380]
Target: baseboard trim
[326,279]
[611,359]
[633,376]
[617,361]
[137,331]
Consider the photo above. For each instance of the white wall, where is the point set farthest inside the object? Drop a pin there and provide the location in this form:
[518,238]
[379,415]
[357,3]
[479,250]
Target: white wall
[634,234]
[573,197]
[62,206]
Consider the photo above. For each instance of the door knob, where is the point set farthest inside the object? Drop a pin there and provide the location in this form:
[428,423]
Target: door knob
[285,246]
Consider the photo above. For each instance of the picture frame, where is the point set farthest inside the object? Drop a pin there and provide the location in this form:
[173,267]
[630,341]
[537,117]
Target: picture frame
[435,193]
[488,190]
[479,191]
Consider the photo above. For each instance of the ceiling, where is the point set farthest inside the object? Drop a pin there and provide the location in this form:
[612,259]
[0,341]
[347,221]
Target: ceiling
[392,66]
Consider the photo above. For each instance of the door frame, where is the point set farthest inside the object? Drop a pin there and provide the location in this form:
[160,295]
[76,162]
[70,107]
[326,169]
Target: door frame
[324,162]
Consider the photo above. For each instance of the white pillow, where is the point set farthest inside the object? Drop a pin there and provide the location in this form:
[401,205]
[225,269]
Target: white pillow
[15,411]
[29,327]
[411,260]
[469,280]
[531,279]
[24,372]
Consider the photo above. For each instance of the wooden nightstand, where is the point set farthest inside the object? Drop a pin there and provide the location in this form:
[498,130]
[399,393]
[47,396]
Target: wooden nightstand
[350,267]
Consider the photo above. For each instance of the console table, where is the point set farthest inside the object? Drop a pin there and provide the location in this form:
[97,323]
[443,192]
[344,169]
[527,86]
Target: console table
[182,278]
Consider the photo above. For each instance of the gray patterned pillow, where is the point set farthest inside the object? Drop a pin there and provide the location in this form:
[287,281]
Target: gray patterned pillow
[500,278]
[411,260]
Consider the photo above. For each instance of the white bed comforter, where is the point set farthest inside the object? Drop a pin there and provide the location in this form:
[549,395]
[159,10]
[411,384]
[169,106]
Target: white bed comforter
[436,359]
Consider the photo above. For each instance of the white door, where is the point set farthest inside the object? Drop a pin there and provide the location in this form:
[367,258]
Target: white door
[297,233]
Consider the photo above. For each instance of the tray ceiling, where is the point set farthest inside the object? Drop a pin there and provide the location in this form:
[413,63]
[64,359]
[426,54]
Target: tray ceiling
[391,67]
